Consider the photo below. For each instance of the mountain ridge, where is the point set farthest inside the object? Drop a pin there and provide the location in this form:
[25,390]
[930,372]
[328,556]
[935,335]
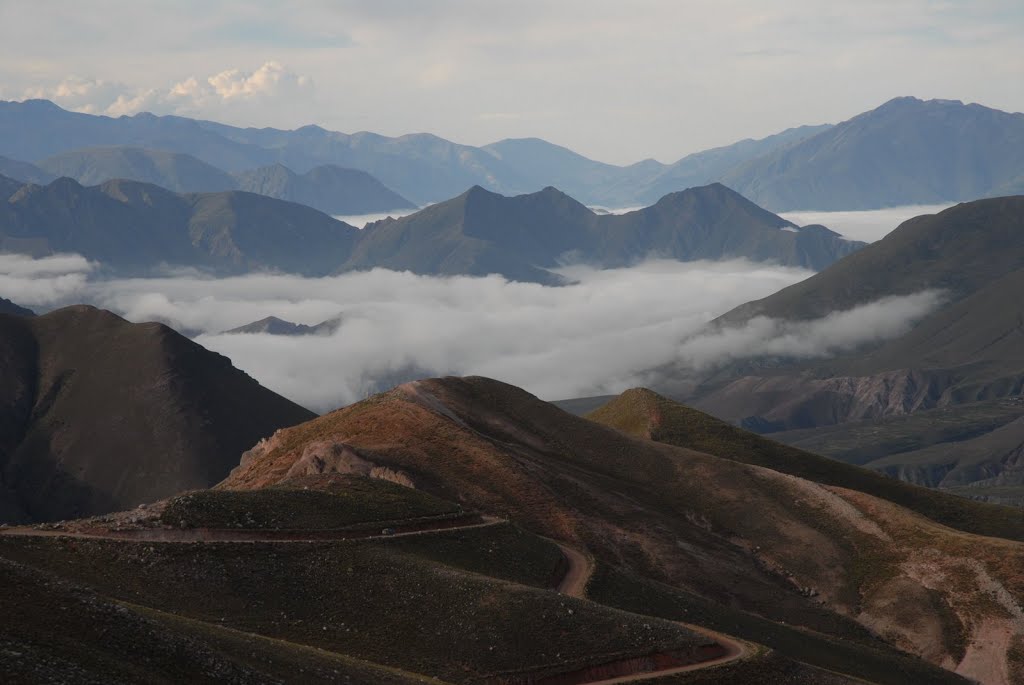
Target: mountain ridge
[980,143]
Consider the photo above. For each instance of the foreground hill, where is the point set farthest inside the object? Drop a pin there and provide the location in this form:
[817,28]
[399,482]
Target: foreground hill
[841,563]
[99,414]
[228,232]
[330,189]
[968,349]
[179,172]
[301,584]
[522,237]
[905,152]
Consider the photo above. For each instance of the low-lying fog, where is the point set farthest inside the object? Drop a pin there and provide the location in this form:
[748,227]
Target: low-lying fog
[360,220]
[868,225]
[595,337]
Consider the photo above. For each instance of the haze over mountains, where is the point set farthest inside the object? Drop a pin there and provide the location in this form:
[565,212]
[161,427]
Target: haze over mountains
[228,232]
[328,188]
[945,151]
[477,233]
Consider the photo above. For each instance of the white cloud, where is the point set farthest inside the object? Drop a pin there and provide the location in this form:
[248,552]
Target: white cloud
[837,332]
[601,335]
[617,81]
[218,94]
[868,225]
[43,281]
[271,79]
[589,338]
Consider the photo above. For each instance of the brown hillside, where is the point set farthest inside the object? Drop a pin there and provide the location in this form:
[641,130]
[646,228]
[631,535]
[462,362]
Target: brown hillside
[830,559]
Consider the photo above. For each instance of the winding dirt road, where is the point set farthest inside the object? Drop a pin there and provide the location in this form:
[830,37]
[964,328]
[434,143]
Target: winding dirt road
[574,584]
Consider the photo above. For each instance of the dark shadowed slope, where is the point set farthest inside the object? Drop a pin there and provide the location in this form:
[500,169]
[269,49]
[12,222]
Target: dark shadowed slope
[175,171]
[522,237]
[743,536]
[330,189]
[967,350]
[227,232]
[970,349]
[960,249]
[907,151]
[99,414]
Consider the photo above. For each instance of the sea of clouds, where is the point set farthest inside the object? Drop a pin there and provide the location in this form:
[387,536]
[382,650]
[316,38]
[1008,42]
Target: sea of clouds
[867,225]
[597,336]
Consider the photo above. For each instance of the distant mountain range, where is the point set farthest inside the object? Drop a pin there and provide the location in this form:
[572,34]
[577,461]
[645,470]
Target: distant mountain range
[522,237]
[179,172]
[98,414]
[228,232]
[907,151]
[328,188]
[968,350]
[477,233]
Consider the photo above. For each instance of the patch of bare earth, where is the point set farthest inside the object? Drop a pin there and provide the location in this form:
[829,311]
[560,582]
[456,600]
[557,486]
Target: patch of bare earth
[954,598]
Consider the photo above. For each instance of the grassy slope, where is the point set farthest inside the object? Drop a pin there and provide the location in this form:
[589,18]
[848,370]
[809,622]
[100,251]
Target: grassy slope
[370,600]
[58,631]
[644,413]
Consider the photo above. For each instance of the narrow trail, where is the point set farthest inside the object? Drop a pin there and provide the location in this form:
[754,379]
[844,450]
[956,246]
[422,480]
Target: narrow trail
[574,584]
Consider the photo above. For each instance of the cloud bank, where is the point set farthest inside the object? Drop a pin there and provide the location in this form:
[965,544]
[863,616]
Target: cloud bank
[220,94]
[599,336]
[589,338]
[838,332]
[868,225]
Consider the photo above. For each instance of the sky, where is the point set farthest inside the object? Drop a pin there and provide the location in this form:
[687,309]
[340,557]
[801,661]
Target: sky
[616,81]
